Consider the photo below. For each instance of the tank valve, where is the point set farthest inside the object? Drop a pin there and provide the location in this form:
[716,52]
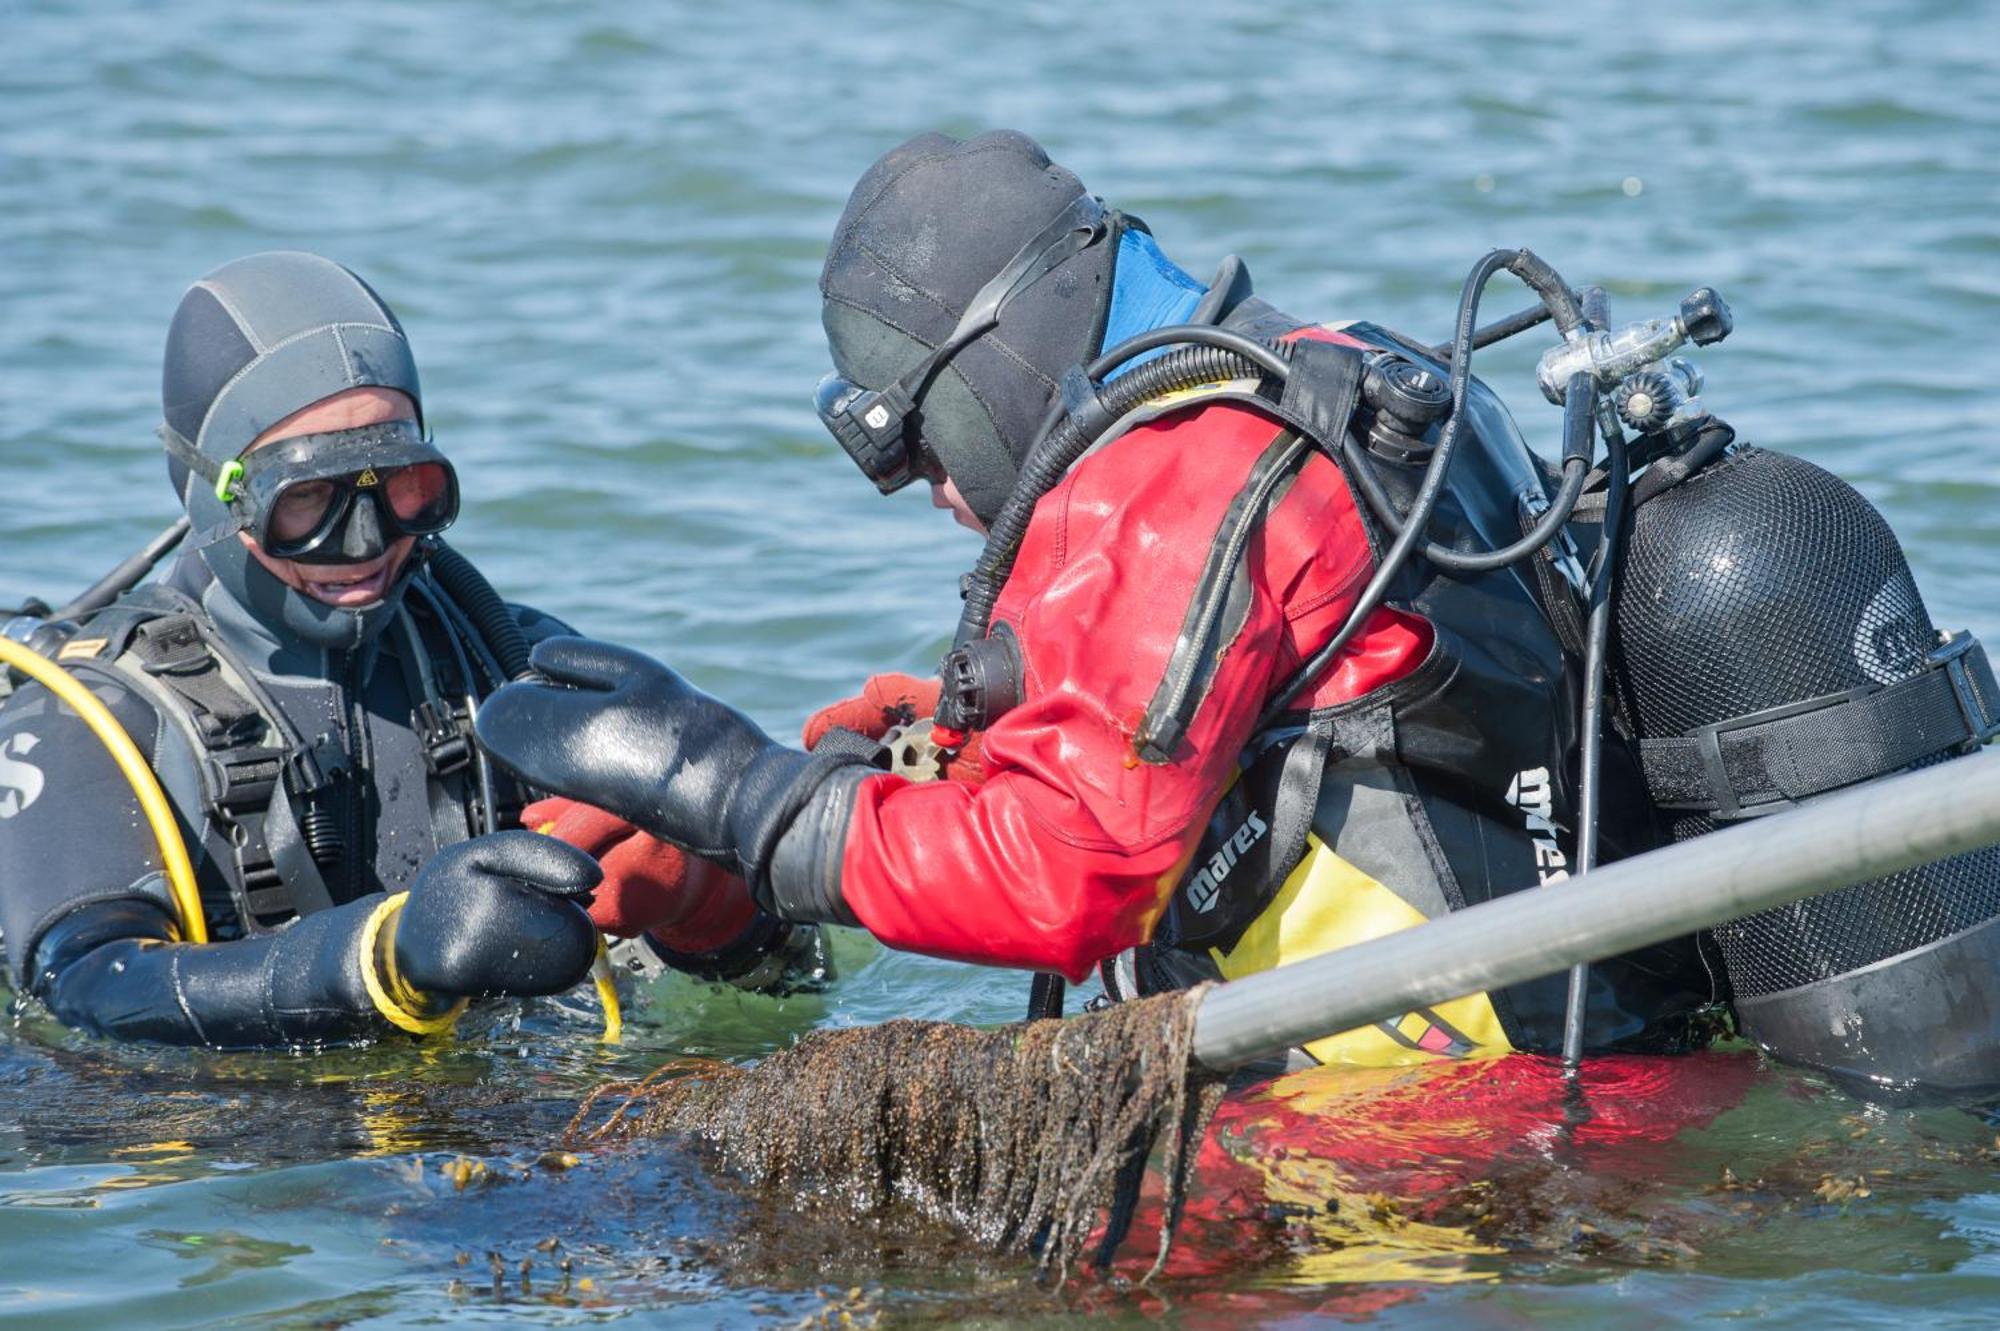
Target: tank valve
[38,634]
[1703,319]
[1657,396]
[1646,401]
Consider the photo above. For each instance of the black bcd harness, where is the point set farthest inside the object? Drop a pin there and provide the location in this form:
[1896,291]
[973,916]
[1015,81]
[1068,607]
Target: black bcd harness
[272,796]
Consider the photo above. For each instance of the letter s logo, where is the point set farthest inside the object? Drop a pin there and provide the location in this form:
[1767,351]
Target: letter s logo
[20,782]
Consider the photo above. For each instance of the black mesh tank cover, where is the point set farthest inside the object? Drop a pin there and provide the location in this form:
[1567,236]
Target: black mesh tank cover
[1765,580]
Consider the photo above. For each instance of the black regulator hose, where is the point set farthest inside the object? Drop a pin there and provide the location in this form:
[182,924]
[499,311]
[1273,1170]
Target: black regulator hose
[1086,409]
[1567,314]
[1579,409]
[1218,355]
[1597,647]
[472,593]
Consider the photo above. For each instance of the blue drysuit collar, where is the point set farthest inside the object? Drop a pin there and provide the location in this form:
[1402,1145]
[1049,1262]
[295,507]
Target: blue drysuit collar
[1148,291]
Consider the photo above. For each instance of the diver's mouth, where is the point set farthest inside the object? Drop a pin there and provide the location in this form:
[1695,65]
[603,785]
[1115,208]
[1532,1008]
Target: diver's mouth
[352,587]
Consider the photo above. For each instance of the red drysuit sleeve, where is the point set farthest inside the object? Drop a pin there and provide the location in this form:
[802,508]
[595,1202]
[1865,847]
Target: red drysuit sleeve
[1066,853]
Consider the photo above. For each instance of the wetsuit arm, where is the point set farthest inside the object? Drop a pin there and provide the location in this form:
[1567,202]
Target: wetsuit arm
[88,920]
[110,968]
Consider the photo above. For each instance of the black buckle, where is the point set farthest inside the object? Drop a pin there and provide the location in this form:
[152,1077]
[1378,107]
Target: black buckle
[442,732]
[242,782]
[1725,805]
[1956,657]
[173,646]
[311,768]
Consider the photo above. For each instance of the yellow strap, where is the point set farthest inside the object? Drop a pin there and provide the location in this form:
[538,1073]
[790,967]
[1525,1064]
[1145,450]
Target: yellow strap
[397,1010]
[152,800]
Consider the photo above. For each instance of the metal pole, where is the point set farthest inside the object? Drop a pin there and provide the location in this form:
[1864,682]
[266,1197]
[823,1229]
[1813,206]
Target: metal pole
[1841,839]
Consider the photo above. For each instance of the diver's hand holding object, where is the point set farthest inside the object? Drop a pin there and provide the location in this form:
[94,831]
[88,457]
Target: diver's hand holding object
[689,904]
[897,711]
[885,702]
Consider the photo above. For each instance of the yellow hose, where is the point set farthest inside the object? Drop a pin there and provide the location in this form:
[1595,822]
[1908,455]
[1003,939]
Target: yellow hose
[607,994]
[600,975]
[152,800]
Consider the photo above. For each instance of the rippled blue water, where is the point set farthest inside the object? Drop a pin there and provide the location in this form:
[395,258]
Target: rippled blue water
[602,225]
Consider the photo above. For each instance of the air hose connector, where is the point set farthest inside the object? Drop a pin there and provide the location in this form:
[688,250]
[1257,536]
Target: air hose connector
[981,681]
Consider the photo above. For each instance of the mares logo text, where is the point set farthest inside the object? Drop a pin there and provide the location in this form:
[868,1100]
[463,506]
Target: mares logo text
[1206,886]
[20,782]
[1533,795]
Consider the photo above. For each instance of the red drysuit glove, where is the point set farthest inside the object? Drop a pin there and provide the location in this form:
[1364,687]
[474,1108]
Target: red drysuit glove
[885,701]
[895,700]
[688,903]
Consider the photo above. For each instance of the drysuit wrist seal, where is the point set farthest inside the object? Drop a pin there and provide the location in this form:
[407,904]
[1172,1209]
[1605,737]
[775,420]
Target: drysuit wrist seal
[774,790]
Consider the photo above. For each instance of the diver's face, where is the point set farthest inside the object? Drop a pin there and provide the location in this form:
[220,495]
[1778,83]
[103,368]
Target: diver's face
[944,494]
[349,586]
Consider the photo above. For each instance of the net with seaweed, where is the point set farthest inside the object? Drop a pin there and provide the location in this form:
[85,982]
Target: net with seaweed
[1029,1138]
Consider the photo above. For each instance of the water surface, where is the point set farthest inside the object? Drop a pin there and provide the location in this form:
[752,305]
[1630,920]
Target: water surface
[602,225]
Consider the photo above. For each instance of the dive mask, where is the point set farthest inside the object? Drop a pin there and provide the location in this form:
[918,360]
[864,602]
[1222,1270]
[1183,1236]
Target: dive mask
[873,426]
[338,497]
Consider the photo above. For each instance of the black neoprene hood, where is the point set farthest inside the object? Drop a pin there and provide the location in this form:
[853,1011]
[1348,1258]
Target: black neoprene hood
[926,227]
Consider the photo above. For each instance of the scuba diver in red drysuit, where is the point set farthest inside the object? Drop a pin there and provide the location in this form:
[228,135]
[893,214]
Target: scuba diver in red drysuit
[1131,780]
[1119,796]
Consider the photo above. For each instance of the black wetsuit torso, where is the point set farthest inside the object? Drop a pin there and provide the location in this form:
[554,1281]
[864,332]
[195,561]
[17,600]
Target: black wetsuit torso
[83,900]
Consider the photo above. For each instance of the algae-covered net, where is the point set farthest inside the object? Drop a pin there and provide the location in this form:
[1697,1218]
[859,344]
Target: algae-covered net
[1025,1137]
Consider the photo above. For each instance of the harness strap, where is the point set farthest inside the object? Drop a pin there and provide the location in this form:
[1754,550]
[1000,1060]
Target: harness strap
[173,650]
[1317,403]
[442,728]
[1298,799]
[1323,390]
[1221,603]
[1764,761]
[247,785]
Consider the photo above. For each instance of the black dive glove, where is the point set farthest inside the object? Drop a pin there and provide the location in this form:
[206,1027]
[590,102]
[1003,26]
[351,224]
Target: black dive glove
[502,914]
[615,728]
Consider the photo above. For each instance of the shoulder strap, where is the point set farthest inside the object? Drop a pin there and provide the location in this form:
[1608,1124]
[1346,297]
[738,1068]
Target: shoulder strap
[1220,604]
[250,771]
[1318,400]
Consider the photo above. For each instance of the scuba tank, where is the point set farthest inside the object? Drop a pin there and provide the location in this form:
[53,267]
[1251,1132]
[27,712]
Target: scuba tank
[1768,645]
[1771,645]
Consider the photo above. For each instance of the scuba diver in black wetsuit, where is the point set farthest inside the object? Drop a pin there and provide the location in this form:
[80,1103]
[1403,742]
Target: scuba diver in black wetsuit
[301,684]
